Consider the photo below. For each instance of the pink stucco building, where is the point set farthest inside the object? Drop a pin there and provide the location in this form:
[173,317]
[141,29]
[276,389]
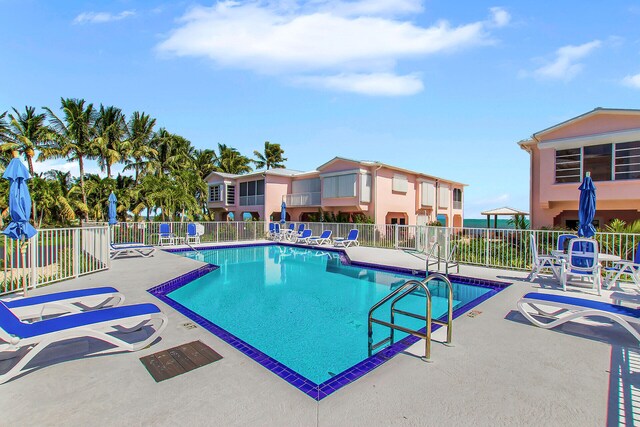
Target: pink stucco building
[384,193]
[604,142]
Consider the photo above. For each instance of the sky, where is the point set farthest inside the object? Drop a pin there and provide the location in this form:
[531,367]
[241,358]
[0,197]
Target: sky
[445,88]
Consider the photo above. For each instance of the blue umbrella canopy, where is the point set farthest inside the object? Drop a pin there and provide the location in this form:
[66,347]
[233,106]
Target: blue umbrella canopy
[112,209]
[283,213]
[19,201]
[587,208]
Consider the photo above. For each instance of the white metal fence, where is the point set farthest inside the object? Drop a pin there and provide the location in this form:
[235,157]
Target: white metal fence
[58,254]
[53,255]
[503,248]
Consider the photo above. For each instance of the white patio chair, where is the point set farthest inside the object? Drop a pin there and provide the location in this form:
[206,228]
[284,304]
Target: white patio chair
[541,262]
[582,263]
[630,269]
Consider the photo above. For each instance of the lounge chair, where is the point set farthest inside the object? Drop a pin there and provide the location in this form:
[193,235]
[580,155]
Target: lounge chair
[571,308]
[166,235]
[624,268]
[351,239]
[194,231]
[293,236]
[123,249]
[65,302]
[582,263]
[105,325]
[303,237]
[541,262]
[325,237]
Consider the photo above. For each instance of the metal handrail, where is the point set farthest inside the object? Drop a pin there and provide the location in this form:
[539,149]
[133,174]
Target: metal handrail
[406,289]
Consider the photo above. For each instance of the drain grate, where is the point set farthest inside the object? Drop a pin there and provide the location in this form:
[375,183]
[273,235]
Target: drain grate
[178,360]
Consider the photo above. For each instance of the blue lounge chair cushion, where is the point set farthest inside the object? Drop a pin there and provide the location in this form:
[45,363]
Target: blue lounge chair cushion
[58,296]
[13,326]
[585,303]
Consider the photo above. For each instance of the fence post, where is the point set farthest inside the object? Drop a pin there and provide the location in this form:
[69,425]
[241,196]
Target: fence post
[395,233]
[34,262]
[486,253]
[76,252]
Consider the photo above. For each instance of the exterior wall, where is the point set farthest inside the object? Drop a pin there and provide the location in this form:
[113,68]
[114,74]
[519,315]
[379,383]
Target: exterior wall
[548,200]
[390,201]
[275,188]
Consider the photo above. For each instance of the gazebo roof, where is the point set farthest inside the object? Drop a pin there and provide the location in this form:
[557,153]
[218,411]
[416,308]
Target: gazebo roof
[504,211]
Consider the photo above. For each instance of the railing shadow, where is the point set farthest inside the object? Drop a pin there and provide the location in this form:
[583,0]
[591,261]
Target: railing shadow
[623,406]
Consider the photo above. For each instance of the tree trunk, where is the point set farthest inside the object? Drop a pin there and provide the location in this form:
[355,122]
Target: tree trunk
[30,163]
[84,194]
[108,169]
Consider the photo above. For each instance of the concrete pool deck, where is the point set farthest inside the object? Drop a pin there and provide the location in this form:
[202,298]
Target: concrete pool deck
[500,371]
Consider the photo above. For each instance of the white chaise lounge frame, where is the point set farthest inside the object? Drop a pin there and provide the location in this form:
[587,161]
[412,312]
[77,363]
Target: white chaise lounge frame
[568,312]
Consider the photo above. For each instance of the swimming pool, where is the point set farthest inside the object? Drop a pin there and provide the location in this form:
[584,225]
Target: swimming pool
[303,310]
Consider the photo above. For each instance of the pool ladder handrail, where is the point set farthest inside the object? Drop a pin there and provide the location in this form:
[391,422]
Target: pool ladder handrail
[449,261]
[406,289]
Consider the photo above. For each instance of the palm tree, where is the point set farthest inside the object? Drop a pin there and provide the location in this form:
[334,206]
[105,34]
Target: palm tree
[270,158]
[231,161]
[139,134]
[110,144]
[5,137]
[28,131]
[73,135]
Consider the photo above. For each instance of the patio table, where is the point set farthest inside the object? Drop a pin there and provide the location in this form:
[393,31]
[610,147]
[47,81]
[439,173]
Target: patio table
[560,255]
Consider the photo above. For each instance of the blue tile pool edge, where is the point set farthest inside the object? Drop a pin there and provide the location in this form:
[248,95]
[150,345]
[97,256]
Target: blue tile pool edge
[310,388]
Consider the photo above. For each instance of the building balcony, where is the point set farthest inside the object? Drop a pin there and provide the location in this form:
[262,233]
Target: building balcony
[303,199]
[457,205]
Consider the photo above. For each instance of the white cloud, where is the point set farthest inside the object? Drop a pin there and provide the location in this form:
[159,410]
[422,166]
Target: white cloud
[102,17]
[566,65]
[632,81]
[500,16]
[377,84]
[352,46]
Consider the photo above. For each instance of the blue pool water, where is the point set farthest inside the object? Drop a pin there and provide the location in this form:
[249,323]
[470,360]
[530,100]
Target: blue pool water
[303,307]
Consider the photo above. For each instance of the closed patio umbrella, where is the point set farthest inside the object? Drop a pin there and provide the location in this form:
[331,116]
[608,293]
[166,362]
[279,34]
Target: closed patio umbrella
[283,213]
[112,209]
[587,207]
[19,206]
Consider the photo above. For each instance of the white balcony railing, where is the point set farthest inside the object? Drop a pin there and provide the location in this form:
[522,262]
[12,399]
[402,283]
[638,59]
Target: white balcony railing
[457,204]
[303,199]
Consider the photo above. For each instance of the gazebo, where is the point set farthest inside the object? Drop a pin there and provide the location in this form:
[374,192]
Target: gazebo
[501,212]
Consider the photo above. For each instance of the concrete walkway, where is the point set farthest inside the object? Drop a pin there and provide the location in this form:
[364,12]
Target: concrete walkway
[500,371]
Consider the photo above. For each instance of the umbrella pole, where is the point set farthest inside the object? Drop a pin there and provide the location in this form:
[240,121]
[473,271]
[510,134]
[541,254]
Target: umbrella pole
[23,249]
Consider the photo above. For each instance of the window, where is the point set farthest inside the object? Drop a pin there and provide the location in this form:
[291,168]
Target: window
[428,194]
[568,165]
[445,194]
[231,194]
[215,193]
[365,188]
[339,186]
[252,193]
[605,162]
[597,160]
[628,160]
[311,185]
[457,198]
[400,183]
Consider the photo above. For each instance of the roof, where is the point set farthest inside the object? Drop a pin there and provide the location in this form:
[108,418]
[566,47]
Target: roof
[504,211]
[278,171]
[377,163]
[595,111]
[293,172]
